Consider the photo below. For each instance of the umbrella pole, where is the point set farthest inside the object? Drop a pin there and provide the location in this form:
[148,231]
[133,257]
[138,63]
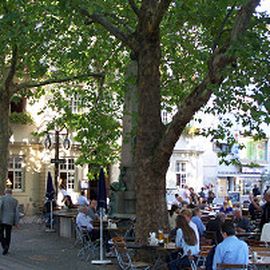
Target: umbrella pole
[51,218]
[101,234]
[101,261]
[51,215]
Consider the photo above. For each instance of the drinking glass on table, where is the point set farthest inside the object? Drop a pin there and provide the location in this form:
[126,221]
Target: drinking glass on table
[166,234]
[160,235]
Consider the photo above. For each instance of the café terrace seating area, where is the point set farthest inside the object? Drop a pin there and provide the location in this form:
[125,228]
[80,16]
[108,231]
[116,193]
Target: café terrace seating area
[127,254]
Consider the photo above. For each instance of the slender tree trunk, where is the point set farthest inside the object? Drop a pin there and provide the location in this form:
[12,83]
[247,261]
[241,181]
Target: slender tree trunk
[150,181]
[4,137]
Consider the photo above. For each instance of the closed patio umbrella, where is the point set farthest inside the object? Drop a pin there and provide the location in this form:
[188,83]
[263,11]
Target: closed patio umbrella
[102,206]
[50,194]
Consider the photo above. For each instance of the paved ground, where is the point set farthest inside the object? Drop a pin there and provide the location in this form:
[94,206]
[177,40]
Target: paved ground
[34,249]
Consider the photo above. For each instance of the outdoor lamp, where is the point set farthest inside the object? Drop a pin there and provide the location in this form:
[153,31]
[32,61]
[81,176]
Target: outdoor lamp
[66,143]
[48,142]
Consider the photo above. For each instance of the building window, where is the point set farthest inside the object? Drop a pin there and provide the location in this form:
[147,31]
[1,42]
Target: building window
[67,173]
[256,150]
[164,117]
[181,173]
[15,173]
[75,103]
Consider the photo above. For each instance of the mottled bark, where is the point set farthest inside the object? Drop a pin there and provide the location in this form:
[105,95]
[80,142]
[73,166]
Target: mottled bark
[150,183]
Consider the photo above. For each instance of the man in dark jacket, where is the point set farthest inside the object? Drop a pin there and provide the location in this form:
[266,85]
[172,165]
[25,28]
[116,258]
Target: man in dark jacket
[9,216]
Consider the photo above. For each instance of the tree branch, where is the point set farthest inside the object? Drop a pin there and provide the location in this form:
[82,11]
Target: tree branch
[128,40]
[161,10]
[243,19]
[134,7]
[220,31]
[12,68]
[28,85]
[201,94]
[120,21]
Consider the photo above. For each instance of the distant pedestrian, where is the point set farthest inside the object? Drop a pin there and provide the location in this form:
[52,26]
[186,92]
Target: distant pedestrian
[9,216]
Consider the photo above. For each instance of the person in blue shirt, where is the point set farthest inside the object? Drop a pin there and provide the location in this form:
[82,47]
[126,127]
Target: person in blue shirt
[231,250]
[187,242]
[197,220]
[226,209]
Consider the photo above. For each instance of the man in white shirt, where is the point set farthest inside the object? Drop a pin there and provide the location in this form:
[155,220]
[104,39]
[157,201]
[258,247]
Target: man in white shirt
[83,221]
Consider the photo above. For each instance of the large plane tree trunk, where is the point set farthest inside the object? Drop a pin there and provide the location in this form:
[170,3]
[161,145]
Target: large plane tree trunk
[150,181]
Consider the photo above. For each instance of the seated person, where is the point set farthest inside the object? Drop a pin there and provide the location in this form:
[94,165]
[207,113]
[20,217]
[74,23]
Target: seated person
[92,210]
[265,217]
[194,198]
[215,226]
[84,222]
[187,213]
[187,243]
[228,200]
[197,220]
[203,205]
[82,200]
[254,208]
[68,202]
[226,209]
[172,214]
[211,197]
[241,223]
[178,200]
[231,250]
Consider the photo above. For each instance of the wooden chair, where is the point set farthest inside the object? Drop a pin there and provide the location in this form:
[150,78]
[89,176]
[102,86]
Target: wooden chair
[232,266]
[202,255]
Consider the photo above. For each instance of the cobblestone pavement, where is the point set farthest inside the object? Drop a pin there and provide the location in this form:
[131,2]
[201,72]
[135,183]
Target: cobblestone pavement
[34,249]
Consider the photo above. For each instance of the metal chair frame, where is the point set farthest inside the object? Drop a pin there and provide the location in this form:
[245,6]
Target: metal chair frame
[123,258]
[89,249]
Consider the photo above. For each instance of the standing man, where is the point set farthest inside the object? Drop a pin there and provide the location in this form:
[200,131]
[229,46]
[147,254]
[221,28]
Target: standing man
[9,216]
